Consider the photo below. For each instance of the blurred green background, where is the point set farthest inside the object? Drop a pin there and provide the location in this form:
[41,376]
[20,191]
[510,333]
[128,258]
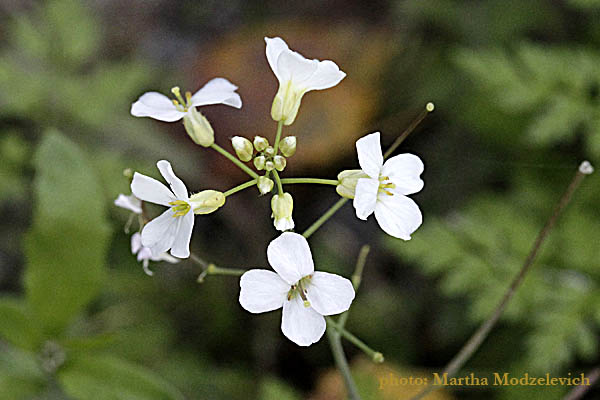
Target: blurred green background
[517,91]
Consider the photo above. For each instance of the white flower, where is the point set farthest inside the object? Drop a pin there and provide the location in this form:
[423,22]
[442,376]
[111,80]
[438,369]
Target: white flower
[297,75]
[130,203]
[144,254]
[305,295]
[173,228]
[384,189]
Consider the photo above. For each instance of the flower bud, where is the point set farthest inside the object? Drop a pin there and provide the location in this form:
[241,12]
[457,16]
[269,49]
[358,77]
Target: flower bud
[243,148]
[282,206]
[279,162]
[260,143]
[198,128]
[207,201]
[286,103]
[347,182]
[259,162]
[269,166]
[265,185]
[288,146]
[270,151]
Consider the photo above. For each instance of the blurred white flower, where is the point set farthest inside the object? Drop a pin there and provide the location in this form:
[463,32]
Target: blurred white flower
[384,189]
[297,75]
[305,295]
[144,254]
[130,203]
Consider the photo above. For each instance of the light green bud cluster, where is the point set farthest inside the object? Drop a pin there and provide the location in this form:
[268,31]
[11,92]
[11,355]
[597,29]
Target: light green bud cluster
[267,158]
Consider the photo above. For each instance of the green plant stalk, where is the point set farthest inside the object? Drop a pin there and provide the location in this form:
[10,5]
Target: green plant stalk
[339,357]
[374,355]
[240,187]
[278,136]
[356,278]
[234,160]
[317,181]
[279,183]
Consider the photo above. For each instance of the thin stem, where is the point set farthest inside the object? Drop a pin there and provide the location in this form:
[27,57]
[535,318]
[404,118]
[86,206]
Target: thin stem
[318,181]
[240,187]
[234,160]
[356,278]
[212,269]
[471,346]
[279,183]
[328,214]
[580,390]
[429,107]
[339,357]
[374,355]
[278,136]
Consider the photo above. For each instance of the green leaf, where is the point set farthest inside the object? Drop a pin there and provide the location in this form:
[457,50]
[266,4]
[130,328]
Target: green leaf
[107,377]
[17,327]
[66,246]
[20,376]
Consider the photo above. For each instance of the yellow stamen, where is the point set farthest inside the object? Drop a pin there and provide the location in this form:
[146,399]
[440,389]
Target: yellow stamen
[180,208]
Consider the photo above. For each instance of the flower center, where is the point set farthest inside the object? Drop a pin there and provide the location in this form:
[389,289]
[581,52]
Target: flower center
[384,184]
[299,289]
[180,104]
[180,208]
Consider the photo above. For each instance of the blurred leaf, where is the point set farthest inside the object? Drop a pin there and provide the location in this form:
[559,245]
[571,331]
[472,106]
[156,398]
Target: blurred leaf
[17,327]
[66,246]
[20,376]
[273,389]
[107,377]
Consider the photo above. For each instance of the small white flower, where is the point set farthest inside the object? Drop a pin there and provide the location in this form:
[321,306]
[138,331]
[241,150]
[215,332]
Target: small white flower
[173,228]
[305,295]
[385,188]
[297,75]
[144,254]
[130,203]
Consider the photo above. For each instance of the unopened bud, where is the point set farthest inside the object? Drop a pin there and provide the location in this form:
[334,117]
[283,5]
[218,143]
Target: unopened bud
[265,185]
[270,151]
[260,143]
[128,173]
[259,162]
[288,146]
[198,128]
[243,148]
[207,201]
[279,162]
[282,206]
[347,182]
[269,166]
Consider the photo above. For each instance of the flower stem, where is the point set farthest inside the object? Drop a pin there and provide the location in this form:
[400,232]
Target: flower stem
[279,183]
[278,136]
[471,346]
[429,107]
[335,343]
[374,355]
[212,269]
[240,187]
[318,181]
[234,160]
[328,214]
[356,278]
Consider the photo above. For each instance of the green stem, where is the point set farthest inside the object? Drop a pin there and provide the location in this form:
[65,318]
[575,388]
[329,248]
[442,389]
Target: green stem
[374,355]
[240,187]
[319,181]
[356,278]
[234,160]
[328,214]
[279,183]
[339,357]
[428,108]
[278,136]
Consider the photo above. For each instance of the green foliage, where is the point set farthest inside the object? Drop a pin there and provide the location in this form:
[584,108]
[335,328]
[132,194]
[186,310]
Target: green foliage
[14,153]
[20,376]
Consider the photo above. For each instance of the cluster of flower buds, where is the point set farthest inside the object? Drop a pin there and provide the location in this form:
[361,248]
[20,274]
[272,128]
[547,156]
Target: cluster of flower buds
[266,157]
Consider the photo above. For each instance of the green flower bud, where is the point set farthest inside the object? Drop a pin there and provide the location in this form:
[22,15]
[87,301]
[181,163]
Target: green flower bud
[265,185]
[243,148]
[259,162]
[347,182]
[269,166]
[279,162]
[288,146]
[286,103]
[207,201]
[282,206]
[198,128]
[260,143]
[270,151]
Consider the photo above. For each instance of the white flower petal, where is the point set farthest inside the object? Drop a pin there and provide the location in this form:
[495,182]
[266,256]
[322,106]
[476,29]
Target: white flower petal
[217,91]
[177,186]
[290,257]
[398,215]
[159,234]
[157,106]
[166,257]
[365,197]
[151,190]
[404,171]
[130,203]
[262,291]
[293,67]
[144,254]
[327,75]
[181,245]
[302,325]
[330,294]
[370,157]
[283,224]
[275,46]
[136,242]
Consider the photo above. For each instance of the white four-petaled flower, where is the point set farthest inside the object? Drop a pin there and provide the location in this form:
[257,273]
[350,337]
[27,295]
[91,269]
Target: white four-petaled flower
[144,254]
[297,75]
[173,228]
[384,189]
[305,295]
